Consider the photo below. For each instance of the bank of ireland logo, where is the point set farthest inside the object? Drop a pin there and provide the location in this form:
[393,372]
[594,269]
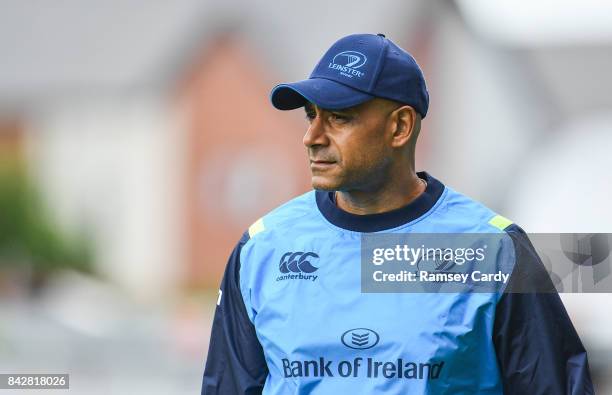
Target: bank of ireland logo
[347,63]
[360,338]
[298,266]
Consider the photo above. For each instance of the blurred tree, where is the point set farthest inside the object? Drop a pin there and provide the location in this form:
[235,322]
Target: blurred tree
[29,240]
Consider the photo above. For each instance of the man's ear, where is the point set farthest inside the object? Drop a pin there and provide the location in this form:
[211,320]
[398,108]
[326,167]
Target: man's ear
[405,126]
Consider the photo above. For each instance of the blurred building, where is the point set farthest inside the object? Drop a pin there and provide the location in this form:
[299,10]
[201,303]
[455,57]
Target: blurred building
[150,127]
[146,125]
[242,158]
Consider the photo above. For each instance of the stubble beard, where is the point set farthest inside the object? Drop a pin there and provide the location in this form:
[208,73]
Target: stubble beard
[371,178]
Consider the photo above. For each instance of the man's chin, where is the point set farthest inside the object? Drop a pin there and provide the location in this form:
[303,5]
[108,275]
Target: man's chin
[324,184]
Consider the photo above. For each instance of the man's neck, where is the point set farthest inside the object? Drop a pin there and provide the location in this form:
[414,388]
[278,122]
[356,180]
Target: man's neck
[387,198]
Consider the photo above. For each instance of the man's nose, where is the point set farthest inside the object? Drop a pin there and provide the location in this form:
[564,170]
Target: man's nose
[315,135]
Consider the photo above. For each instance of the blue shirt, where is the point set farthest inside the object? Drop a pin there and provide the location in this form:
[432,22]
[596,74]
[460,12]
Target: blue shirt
[291,317]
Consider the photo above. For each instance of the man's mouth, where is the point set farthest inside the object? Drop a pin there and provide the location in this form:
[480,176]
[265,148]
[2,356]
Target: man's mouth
[321,164]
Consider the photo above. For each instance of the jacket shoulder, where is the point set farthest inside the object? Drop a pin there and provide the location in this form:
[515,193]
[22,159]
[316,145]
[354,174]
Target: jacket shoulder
[285,215]
[473,216]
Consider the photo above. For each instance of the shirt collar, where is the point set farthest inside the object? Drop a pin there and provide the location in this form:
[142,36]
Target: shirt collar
[381,221]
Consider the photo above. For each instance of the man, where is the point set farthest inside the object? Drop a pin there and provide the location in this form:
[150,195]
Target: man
[291,316]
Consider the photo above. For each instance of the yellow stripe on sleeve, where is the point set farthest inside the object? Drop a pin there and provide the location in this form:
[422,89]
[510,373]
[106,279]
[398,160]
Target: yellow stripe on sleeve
[500,222]
[257,227]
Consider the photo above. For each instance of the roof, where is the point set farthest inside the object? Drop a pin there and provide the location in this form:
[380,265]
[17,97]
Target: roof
[82,47]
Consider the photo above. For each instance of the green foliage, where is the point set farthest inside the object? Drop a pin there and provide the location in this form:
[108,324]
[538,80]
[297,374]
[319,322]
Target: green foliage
[28,236]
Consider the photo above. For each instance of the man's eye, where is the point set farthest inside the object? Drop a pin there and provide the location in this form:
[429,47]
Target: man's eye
[339,117]
[310,116]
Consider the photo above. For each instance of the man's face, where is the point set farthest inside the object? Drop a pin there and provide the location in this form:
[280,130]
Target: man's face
[349,149]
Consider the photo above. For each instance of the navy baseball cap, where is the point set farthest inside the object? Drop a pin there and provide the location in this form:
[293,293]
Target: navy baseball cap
[355,69]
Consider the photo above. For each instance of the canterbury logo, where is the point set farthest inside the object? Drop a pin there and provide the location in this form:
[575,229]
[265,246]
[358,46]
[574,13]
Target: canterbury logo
[352,59]
[297,262]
